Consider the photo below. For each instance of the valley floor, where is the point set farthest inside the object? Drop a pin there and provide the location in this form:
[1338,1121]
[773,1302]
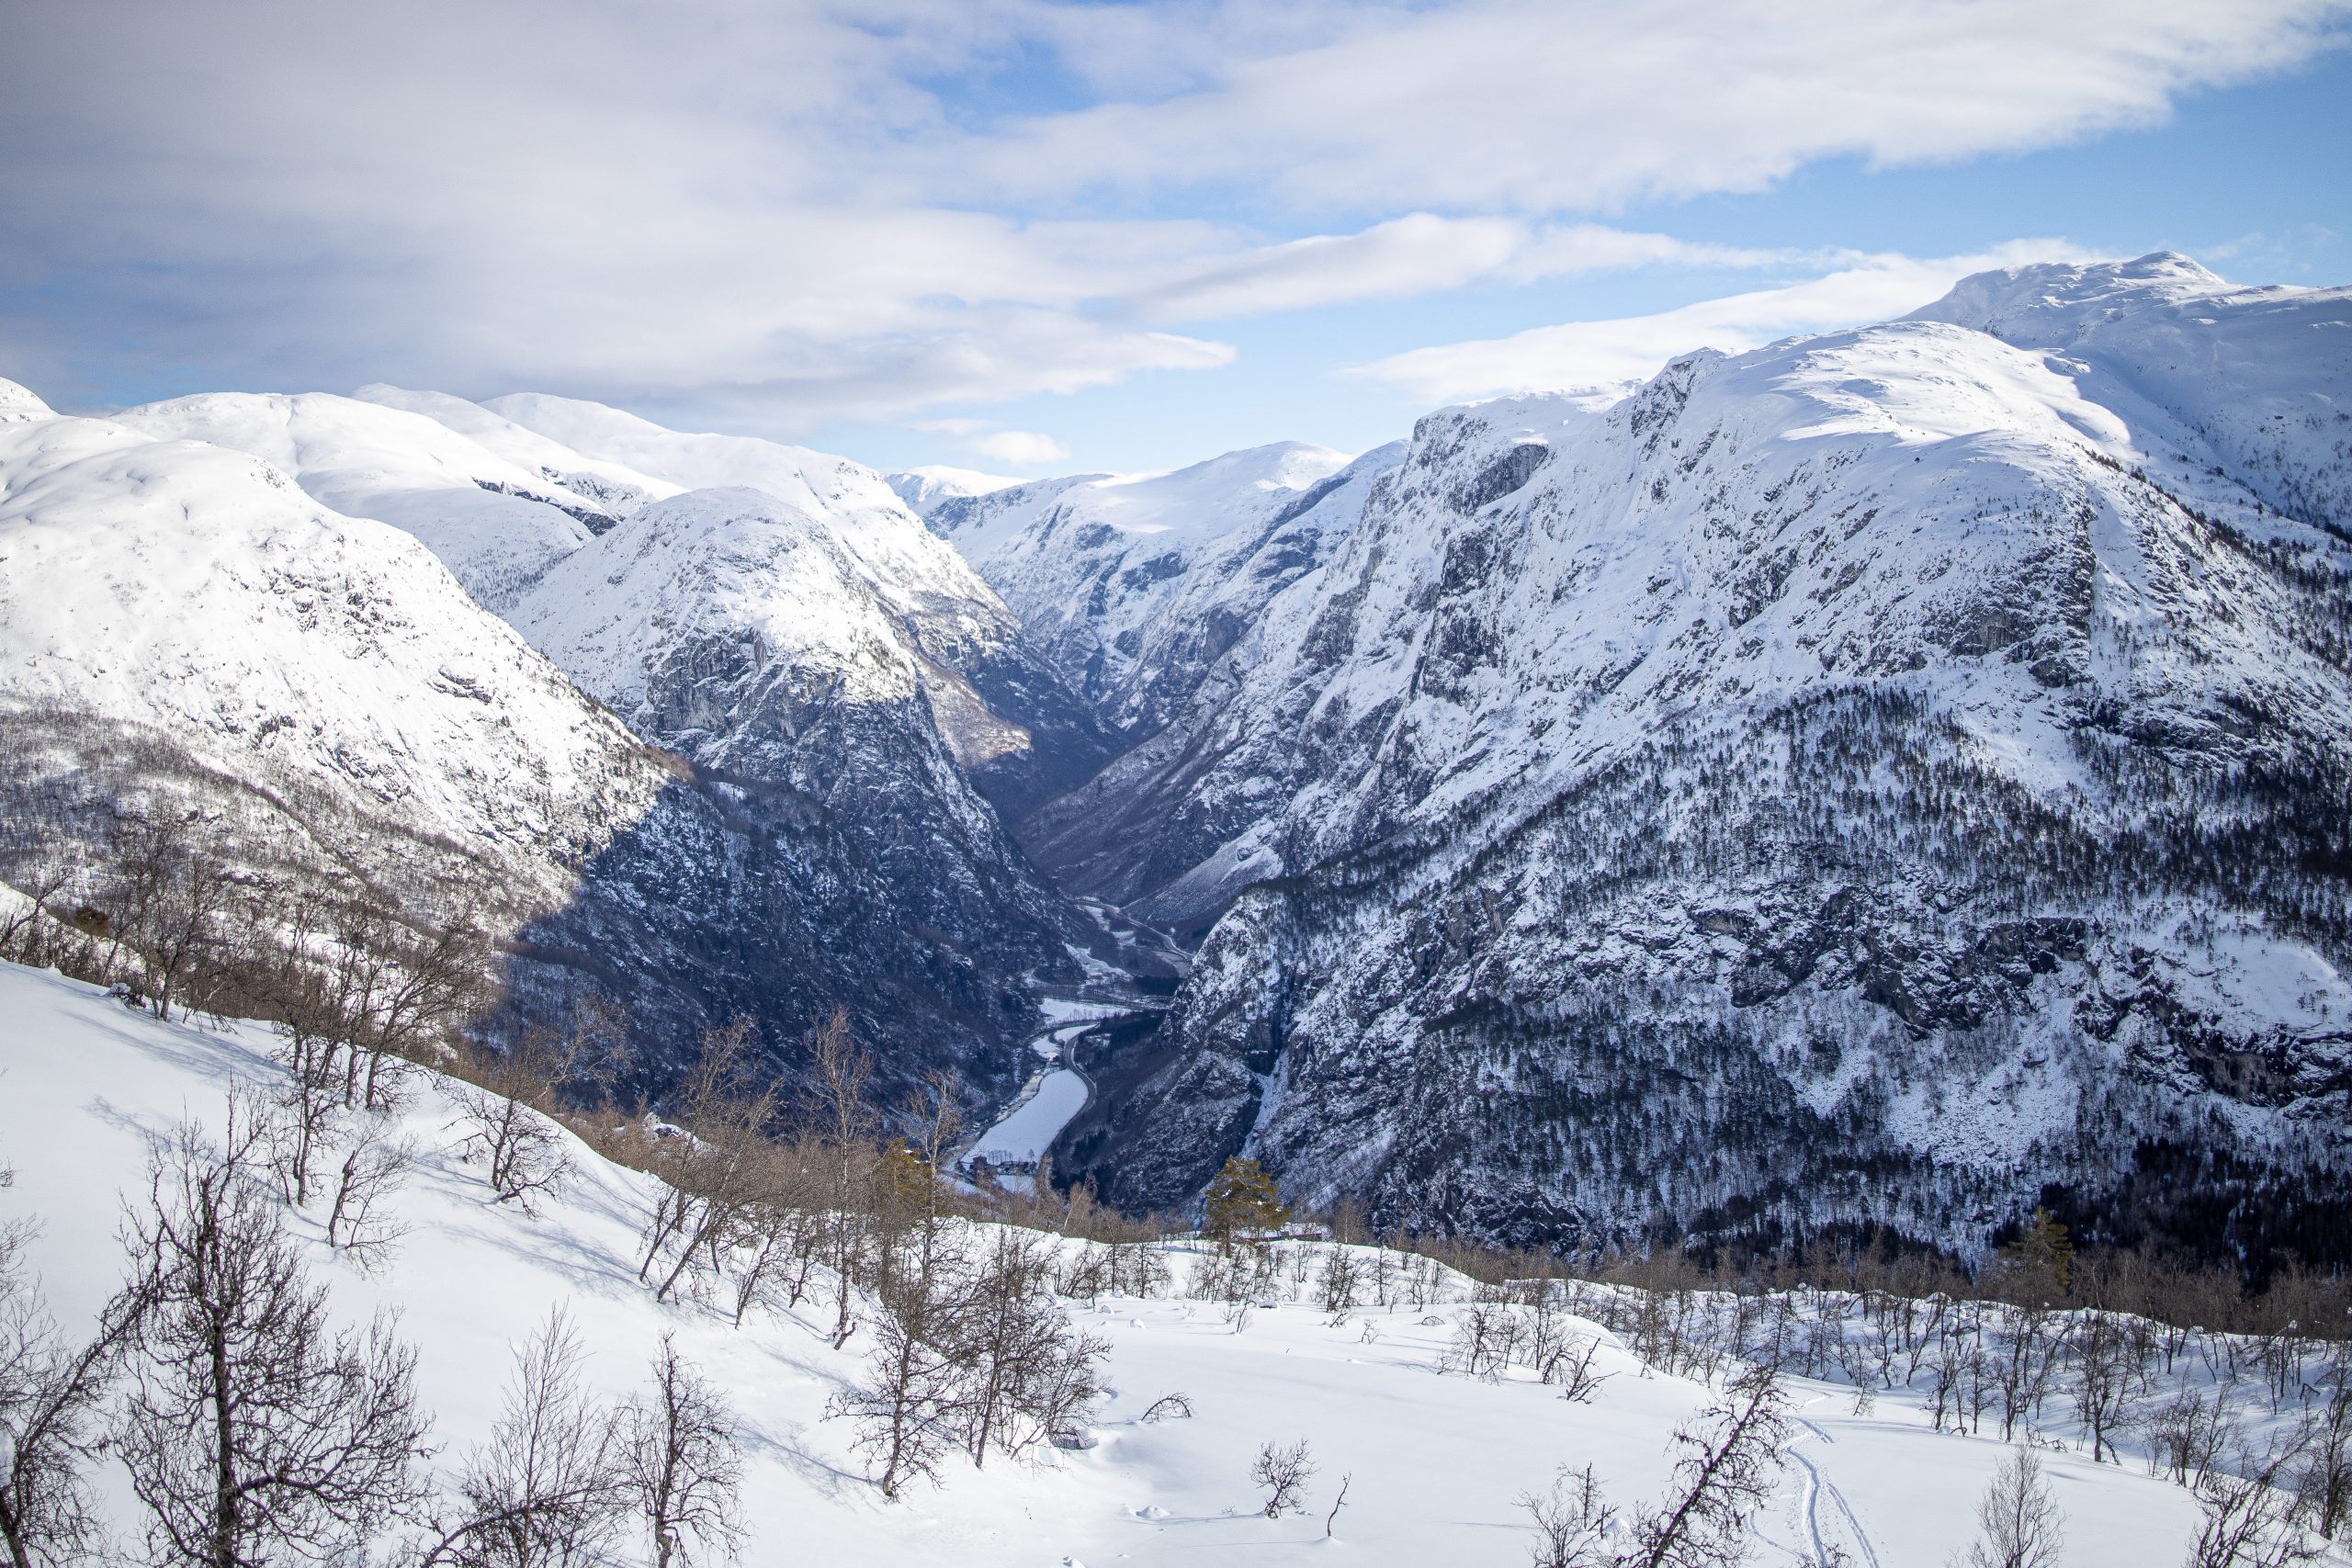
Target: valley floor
[1433,1462]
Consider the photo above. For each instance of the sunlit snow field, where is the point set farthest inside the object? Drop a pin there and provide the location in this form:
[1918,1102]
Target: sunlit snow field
[1434,1461]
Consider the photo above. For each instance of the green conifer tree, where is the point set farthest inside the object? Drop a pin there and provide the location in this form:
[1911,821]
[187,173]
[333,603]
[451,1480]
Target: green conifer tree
[1242,1202]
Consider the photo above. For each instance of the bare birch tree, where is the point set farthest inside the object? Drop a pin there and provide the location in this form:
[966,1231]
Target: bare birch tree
[678,1451]
[50,1396]
[253,1430]
[1726,1467]
[2018,1519]
[548,1488]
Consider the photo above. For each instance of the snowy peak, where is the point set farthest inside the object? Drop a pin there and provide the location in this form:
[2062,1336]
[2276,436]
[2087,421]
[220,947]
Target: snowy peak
[2046,304]
[736,566]
[1184,505]
[2255,381]
[620,489]
[978,526]
[18,402]
[919,577]
[1176,507]
[813,482]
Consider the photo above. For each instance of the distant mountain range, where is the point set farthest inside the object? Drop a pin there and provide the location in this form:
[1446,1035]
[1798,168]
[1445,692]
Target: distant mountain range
[1888,779]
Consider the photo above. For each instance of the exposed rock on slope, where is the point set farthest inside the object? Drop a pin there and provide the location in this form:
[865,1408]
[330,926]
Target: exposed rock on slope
[740,630]
[1857,782]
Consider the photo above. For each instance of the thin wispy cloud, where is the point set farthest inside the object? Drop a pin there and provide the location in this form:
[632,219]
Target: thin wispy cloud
[1588,355]
[1538,107]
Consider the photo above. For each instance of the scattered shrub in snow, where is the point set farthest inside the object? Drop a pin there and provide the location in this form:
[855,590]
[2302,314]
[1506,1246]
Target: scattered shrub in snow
[1340,1279]
[2018,1518]
[506,1119]
[1571,1519]
[1283,1472]
[716,1176]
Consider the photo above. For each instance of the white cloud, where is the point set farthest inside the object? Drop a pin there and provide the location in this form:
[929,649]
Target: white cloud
[1021,448]
[780,212]
[1417,254]
[1537,105]
[1580,355]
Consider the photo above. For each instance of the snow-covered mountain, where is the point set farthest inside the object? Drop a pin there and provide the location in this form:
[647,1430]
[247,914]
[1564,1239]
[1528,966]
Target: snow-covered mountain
[925,487]
[185,630]
[494,522]
[1018,731]
[1133,586]
[741,631]
[1857,782]
[1883,779]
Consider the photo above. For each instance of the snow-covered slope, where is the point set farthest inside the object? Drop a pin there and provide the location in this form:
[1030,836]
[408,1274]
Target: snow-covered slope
[495,523]
[1433,1462]
[741,630]
[183,629]
[1132,586]
[1859,781]
[1010,722]
[617,488]
[925,487]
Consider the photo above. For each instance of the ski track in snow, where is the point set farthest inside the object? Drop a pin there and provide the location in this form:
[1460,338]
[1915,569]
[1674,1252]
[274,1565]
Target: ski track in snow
[1816,1484]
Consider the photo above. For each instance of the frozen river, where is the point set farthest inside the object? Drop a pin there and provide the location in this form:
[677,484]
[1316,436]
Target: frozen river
[1030,1128]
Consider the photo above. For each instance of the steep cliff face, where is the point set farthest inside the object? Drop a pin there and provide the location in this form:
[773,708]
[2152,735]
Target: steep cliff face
[1861,780]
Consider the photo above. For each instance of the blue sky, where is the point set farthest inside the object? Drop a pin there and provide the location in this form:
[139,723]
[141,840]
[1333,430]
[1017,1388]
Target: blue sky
[1032,237]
